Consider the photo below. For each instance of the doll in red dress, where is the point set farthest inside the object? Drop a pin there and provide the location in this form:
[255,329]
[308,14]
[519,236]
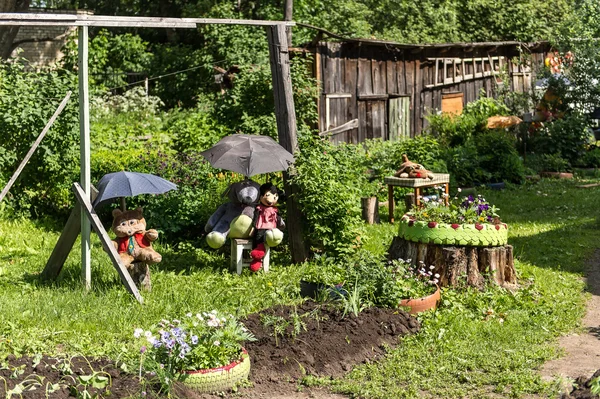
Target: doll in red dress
[266,218]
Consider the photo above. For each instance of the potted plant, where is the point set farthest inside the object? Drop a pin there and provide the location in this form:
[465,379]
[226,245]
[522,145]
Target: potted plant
[204,351]
[413,287]
[466,221]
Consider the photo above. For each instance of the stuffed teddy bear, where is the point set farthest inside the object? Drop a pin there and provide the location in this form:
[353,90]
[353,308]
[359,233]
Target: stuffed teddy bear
[267,223]
[233,218]
[412,170]
[134,244]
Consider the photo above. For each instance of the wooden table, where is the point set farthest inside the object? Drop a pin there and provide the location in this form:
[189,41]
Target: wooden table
[438,180]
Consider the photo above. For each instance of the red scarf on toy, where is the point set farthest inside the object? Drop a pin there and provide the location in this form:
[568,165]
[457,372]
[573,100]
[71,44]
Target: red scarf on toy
[126,243]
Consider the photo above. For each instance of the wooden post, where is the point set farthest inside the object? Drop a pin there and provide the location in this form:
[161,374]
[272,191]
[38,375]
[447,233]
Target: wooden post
[286,130]
[84,145]
[34,146]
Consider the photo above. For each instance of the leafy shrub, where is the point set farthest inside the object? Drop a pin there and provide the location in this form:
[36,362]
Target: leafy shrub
[553,163]
[27,101]
[194,130]
[498,156]
[463,165]
[567,137]
[455,130]
[132,101]
[591,159]
[327,177]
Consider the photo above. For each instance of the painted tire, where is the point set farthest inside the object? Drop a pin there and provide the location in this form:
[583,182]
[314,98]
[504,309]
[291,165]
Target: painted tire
[219,379]
[482,235]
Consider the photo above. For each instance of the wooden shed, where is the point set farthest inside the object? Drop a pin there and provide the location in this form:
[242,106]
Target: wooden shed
[379,89]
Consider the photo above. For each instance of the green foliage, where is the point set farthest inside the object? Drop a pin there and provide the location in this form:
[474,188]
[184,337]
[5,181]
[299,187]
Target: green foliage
[27,101]
[497,154]
[193,130]
[110,56]
[591,159]
[331,206]
[568,137]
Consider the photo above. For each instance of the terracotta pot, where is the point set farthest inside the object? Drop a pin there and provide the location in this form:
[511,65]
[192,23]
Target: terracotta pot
[557,175]
[418,305]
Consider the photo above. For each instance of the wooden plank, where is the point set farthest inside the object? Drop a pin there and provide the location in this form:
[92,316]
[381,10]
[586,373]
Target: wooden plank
[362,121]
[373,97]
[365,83]
[378,120]
[406,115]
[395,119]
[409,72]
[65,242]
[41,19]
[353,124]
[401,77]
[427,106]
[391,77]
[107,244]
[351,74]
[418,90]
[318,74]
[34,146]
[379,76]
[84,151]
[589,185]
[285,115]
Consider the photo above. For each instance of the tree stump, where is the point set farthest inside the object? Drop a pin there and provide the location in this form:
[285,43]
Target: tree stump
[140,274]
[370,209]
[460,265]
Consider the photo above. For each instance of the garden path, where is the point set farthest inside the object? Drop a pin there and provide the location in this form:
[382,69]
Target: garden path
[582,347]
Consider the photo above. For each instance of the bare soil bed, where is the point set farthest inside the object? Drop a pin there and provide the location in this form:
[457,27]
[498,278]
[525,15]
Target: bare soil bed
[292,342]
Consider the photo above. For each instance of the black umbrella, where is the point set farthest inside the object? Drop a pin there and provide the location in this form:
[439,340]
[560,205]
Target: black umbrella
[129,184]
[249,155]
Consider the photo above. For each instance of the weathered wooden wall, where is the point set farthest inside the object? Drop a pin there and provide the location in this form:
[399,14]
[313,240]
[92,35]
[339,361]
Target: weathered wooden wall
[366,81]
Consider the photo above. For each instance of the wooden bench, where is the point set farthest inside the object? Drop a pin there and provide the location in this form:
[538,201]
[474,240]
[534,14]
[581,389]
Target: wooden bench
[418,184]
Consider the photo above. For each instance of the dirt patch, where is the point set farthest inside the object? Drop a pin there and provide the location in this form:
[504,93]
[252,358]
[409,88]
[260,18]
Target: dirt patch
[292,342]
[59,378]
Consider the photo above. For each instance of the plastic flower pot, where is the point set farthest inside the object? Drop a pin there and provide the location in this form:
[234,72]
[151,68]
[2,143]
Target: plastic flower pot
[476,235]
[218,379]
[417,305]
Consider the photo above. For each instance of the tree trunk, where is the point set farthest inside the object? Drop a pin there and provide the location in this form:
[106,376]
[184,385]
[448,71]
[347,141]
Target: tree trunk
[370,209]
[460,266]
[8,33]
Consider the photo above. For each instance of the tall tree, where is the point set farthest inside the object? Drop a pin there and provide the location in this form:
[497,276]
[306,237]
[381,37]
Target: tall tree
[8,33]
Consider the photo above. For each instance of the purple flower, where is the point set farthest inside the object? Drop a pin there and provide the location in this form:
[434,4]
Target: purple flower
[142,349]
[165,335]
[194,339]
[170,344]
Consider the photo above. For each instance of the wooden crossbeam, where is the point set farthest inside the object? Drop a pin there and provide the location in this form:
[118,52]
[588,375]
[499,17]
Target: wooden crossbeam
[36,19]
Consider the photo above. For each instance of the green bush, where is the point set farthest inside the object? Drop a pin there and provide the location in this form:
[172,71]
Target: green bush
[591,159]
[193,130]
[27,101]
[498,156]
[568,137]
[329,196]
[463,165]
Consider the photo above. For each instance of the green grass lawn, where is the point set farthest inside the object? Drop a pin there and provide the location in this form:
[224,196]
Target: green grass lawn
[475,345]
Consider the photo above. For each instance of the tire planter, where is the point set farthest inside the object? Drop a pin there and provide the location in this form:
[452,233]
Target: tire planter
[218,379]
[476,235]
[418,305]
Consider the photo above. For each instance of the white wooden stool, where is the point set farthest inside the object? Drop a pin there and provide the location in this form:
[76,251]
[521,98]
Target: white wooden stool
[238,245]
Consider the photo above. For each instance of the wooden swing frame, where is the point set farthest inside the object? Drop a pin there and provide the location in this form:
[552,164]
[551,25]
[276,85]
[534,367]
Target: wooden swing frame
[83,216]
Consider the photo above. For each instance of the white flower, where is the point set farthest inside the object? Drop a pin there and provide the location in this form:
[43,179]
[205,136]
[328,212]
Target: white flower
[217,343]
[138,332]
[436,275]
[432,267]
[148,334]
[151,340]
[188,314]
[425,199]
[459,189]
